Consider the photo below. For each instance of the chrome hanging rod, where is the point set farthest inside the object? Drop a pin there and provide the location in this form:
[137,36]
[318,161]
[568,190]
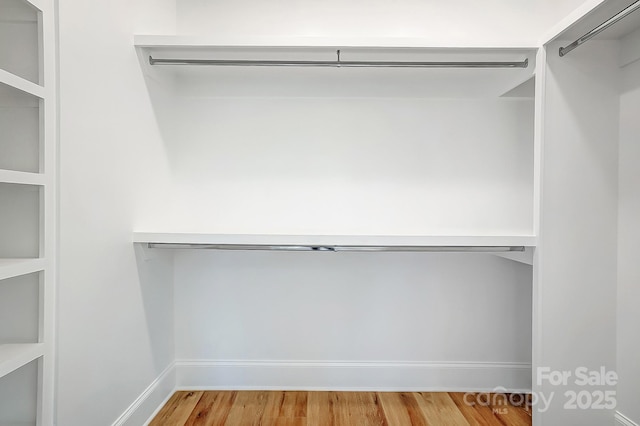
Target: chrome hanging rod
[337,63]
[336,248]
[597,30]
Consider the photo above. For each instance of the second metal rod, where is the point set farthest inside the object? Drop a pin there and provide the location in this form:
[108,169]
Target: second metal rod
[597,30]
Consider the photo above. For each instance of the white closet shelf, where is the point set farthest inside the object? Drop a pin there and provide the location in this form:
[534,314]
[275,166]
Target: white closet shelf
[10,268]
[189,41]
[14,356]
[22,84]
[179,50]
[23,178]
[35,3]
[472,70]
[337,242]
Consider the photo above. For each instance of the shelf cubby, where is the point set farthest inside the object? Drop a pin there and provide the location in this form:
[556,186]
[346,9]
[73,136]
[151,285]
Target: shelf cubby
[20,221]
[20,309]
[19,387]
[20,23]
[20,117]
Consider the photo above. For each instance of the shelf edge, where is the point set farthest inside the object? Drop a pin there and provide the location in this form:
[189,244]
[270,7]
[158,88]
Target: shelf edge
[21,84]
[22,178]
[186,41]
[14,356]
[10,268]
[336,240]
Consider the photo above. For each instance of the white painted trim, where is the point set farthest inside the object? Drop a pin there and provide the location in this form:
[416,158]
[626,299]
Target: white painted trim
[352,376]
[146,406]
[537,288]
[623,420]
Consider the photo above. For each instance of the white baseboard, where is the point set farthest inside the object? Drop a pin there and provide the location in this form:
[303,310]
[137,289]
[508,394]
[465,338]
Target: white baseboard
[346,376]
[623,420]
[150,401]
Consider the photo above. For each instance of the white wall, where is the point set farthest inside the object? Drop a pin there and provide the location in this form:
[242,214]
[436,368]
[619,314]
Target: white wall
[352,307]
[397,308]
[346,165]
[468,22]
[628,249]
[114,310]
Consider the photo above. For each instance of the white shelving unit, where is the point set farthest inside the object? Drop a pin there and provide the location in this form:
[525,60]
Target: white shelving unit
[325,159]
[27,212]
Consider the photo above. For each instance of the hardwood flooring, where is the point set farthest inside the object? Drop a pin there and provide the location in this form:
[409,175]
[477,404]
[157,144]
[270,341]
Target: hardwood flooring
[278,408]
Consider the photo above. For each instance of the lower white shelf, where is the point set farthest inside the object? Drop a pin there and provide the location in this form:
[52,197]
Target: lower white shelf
[14,356]
[20,424]
[10,268]
[21,84]
[336,242]
[21,178]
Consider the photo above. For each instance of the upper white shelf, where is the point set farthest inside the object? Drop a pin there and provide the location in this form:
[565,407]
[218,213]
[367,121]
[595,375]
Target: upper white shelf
[24,178]
[333,80]
[10,268]
[14,356]
[22,84]
[188,41]
[356,242]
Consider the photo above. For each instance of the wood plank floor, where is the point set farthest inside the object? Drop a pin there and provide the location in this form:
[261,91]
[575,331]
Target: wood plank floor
[279,408]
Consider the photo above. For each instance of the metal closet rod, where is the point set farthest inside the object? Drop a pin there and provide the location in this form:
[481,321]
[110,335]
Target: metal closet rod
[597,30]
[337,63]
[336,248]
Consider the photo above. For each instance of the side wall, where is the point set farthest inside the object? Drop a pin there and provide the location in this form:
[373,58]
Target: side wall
[115,323]
[629,250]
